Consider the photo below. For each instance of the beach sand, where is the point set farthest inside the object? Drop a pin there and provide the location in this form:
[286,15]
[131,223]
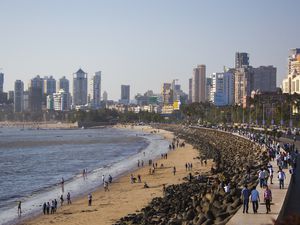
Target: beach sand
[125,198]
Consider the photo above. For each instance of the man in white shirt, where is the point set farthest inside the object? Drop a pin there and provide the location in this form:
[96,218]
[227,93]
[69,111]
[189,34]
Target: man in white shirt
[281,177]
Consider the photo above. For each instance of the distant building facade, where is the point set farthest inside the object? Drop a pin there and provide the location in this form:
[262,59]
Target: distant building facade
[1,82]
[291,84]
[49,85]
[96,90]
[222,89]
[63,83]
[167,94]
[125,94]
[35,89]
[241,59]
[80,88]
[199,84]
[61,101]
[19,96]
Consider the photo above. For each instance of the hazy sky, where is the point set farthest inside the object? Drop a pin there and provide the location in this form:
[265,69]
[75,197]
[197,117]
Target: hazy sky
[142,43]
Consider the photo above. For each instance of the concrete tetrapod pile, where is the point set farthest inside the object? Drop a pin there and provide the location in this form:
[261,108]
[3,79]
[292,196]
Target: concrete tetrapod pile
[202,199]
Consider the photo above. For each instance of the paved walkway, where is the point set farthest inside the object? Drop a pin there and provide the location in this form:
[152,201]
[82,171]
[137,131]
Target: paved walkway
[293,199]
[261,217]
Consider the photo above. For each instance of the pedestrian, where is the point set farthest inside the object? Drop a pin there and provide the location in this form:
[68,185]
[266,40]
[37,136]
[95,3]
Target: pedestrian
[186,166]
[90,197]
[255,199]
[62,185]
[174,170]
[268,198]
[106,186]
[61,200]
[245,198]
[19,208]
[142,163]
[139,178]
[261,177]
[293,175]
[52,207]
[110,178]
[103,178]
[45,208]
[69,198]
[55,205]
[48,208]
[281,177]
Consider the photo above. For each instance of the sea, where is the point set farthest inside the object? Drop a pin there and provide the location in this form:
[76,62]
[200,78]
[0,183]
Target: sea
[33,163]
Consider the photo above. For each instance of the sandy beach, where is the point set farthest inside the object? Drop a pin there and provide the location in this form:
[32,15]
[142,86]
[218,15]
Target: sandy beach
[123,197]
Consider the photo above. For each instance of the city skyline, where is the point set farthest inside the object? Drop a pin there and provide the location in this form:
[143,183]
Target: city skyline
[128,44]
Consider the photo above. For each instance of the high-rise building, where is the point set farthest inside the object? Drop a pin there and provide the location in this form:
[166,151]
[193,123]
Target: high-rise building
[243,84]
[80,88]
[167,94]
[190,89]
[63,83]
[1,82]
[222,89]
[35,89]
[49,85]
[61,101]
[264,79]
[125,94]
[105,96]
[208,89]
[50,102]
[11,97]
[291,84]
[241,59]
[199,84]
[19,96]
[96,90]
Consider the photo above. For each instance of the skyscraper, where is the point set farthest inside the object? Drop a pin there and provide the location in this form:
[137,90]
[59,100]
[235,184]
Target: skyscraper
[49,85]
[291,84]
[125,94]
[19,96]
[1,82]
[199,84]
[264,79]
[80,88]
[222,88]
[190,90]
[208,89]
[241,59]
[96,90]
[243,84]
[167,94]
[61,101]
[35,89]
[63,83]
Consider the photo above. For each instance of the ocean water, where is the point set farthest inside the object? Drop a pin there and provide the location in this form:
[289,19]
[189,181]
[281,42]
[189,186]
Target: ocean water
[33,162]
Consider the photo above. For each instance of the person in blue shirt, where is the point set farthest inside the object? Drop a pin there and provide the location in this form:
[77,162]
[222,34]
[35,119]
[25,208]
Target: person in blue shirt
[245,197]
[255,199]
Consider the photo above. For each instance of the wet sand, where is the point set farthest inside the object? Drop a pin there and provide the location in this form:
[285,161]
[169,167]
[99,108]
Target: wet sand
[125,198]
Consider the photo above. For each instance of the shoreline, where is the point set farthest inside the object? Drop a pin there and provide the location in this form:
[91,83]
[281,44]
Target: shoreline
[66,214]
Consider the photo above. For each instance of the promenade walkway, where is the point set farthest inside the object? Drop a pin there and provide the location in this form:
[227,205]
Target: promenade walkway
[261,218]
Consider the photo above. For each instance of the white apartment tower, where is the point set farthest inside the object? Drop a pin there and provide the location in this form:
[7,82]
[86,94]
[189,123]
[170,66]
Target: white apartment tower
[96,90]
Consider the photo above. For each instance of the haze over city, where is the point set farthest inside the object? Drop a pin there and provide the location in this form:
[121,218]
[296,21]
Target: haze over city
[142,43]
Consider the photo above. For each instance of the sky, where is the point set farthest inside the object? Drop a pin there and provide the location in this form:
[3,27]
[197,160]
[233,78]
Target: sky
[142,43]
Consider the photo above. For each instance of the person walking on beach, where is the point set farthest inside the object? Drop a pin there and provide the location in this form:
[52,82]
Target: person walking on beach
[268,198]
[90,198]
[255,199]
[103,179]
[19,208]
[69,198]
[110,178]
[48,208]
[44,208]
[281,177]
[106,186]
[245,198]
[261,177]
[61,200]
[174,170]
